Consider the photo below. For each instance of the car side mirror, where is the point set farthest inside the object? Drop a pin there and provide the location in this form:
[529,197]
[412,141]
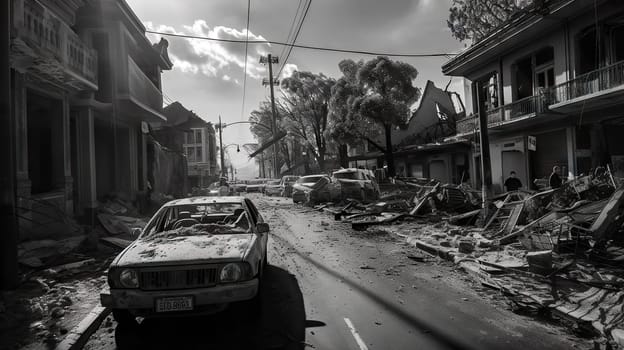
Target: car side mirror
[263,227]
[136,232]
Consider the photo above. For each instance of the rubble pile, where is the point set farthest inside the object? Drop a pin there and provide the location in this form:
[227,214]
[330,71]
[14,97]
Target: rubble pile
[558,252]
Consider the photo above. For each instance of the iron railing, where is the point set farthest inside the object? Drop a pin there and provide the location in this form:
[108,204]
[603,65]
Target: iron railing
[586,84]
[43,30]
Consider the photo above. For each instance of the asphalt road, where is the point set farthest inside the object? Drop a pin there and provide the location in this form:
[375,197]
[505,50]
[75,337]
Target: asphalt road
[329,287]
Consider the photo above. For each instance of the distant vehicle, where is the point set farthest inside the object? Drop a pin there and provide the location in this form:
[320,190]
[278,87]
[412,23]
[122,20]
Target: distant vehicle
[357,183]
[313,189]
[274,188]
[238,187]
[288,181]
[195,256]
[256,185]
[218,188]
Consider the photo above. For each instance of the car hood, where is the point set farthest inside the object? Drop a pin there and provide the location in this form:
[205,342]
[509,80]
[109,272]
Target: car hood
[187,249]
[306,186]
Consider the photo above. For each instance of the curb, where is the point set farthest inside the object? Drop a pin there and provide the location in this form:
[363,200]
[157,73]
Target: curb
[78,336]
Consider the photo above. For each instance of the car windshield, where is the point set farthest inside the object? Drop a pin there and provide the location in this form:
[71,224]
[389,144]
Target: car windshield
[351,175]
[274,182]
[309,179]
[198,219]
[256,182]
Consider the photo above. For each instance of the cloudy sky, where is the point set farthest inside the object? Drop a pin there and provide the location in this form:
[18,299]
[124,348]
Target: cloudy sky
[208,76]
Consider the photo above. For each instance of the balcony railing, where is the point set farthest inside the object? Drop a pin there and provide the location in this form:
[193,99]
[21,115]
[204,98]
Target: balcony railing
[524,107]
[517,109]
[141,87]
[595,81]
[42,30]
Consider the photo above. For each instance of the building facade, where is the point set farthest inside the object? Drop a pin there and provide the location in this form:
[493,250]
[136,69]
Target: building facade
[189,134]
[84,80]
[419,147]
[550,81]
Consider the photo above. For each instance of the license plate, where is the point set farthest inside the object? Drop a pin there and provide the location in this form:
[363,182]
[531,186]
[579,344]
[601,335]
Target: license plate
[174,304]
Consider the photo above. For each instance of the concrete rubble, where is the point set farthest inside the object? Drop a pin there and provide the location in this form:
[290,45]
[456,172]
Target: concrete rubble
[556,253]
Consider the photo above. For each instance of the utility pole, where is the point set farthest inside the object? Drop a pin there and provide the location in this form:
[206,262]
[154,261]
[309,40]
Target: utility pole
[270,60]
[486,165]
[223,169]
[8,214]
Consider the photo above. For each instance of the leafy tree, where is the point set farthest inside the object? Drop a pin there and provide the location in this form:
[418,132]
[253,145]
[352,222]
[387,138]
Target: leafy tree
[263,116]
[304,108]
[474,19]
[375,93]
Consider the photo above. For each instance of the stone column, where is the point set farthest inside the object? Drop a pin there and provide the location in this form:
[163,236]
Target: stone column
[68,181]
[86,176]
[21,135]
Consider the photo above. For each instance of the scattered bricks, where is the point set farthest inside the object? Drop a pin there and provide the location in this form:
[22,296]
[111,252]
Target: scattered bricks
[540,262]
[466,246]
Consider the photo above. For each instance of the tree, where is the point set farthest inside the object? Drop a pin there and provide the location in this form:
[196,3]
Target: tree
[380,92]
[474,19]
[263,116]
[304,108]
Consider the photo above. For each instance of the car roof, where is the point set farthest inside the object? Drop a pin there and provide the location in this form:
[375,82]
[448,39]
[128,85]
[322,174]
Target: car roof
[348,170]
[317,175]
[205,200]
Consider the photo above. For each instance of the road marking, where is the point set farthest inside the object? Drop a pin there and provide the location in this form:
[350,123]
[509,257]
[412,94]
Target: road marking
[356,335]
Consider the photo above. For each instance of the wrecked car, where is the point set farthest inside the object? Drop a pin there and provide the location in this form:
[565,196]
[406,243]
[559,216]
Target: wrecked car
[313,189]
[288,181]
[195,256]
[256,185]
[274,188]
[357,183]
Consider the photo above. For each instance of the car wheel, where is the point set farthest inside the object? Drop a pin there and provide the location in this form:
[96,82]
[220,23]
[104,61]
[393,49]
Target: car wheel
[123,317]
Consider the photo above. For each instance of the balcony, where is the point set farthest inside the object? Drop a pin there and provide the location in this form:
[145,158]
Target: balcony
[597,89]
[140,96]
[499,117]
[45,46]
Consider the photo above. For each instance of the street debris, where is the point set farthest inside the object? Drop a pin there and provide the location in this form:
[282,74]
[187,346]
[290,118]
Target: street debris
[555,252]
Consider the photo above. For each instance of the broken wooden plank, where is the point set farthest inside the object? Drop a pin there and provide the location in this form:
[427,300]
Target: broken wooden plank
[603,224]
[71,266]
[423,199]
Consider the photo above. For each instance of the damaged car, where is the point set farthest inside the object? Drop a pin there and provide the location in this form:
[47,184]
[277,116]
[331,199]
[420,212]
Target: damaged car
[274,188]
[357,183]
[195,256]
[314,189]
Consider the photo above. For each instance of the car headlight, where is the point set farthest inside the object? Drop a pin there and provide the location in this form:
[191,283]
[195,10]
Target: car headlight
[129,278]
[231,273]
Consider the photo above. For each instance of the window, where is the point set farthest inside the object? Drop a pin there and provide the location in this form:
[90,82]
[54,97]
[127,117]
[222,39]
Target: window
[194,148]
[488,92]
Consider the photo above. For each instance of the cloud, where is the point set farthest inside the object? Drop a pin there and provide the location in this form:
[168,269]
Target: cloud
[212,58]
[288,70]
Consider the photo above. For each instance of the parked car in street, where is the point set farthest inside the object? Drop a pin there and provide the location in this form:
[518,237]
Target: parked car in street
[256,185]
[357,183]
[238,187]
[288,181]
[313,189]
[219,188]
[274,188]
[195,256]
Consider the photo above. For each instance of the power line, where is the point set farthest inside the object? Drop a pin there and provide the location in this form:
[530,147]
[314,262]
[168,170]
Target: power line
[294,38]
[245,69]
[308,47]
[290,30]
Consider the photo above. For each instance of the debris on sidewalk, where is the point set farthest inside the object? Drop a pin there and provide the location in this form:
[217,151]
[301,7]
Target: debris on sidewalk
[555,252]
